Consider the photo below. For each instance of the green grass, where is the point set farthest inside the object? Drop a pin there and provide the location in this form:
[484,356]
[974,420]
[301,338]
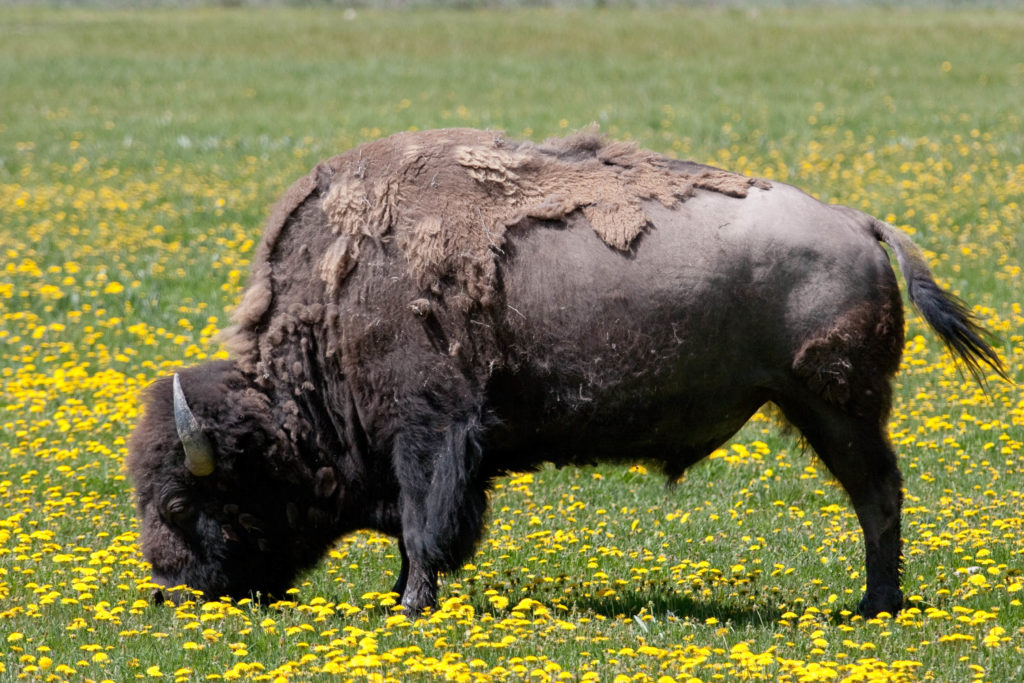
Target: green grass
[139,151]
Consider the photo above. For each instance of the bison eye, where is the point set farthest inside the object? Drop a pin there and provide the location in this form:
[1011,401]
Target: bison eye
[178,511]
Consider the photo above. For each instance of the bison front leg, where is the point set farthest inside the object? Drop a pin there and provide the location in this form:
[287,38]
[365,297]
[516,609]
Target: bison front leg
[416,585]
[403,574]
[442,500]
[420,592]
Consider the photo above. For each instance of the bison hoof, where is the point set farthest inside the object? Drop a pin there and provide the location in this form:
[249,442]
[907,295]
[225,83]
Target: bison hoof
[416,602]
[415,608]
[874,602]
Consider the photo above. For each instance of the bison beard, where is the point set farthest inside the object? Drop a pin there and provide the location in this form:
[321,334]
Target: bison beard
[433,310]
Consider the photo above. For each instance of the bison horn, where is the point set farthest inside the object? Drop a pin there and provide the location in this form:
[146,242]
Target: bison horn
[198,450]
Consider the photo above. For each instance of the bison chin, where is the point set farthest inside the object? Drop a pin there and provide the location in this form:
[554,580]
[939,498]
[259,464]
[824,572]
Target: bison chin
[217,514]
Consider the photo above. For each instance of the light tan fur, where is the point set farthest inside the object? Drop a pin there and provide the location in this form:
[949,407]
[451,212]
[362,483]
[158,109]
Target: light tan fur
[450,196]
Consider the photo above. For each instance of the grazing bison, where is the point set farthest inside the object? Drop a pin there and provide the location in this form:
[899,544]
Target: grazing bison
[430,311]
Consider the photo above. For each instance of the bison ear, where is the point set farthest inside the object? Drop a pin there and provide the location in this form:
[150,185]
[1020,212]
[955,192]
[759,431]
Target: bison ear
[198,450]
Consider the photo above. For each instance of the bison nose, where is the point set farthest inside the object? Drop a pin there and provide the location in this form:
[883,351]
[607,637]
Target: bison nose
[156,597]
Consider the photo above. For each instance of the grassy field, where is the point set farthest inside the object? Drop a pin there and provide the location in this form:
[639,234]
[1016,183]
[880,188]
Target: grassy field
[139,151]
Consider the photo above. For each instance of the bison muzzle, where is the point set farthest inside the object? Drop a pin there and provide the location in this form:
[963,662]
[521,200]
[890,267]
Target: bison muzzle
[433,310]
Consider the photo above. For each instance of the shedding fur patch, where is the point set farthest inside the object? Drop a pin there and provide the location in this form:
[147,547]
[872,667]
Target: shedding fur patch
[449,197]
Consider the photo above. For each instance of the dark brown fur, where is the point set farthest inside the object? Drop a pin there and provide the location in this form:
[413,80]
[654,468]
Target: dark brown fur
[850,362]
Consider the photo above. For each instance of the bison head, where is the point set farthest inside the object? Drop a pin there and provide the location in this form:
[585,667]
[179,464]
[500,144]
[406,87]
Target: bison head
[216,512]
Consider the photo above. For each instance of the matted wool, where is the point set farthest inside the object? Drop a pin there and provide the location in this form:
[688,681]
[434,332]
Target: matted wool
[450,197]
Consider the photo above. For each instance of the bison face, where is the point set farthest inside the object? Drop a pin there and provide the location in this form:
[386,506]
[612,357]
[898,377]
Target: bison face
[214,508]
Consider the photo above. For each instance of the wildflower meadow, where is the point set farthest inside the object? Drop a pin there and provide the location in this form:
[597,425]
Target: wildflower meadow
[139,153]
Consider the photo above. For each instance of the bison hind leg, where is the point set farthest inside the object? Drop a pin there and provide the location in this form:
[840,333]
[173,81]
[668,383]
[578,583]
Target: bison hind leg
[849,362]
[850,367]
[857,453]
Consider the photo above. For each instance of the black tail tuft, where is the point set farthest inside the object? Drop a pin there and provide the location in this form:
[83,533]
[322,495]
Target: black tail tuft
[948,315]
[951,319]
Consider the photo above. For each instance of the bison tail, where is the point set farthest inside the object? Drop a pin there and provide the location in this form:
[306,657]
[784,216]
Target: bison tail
[946,313]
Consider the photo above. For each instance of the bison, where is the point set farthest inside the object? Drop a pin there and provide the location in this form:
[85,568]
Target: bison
[436,309]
